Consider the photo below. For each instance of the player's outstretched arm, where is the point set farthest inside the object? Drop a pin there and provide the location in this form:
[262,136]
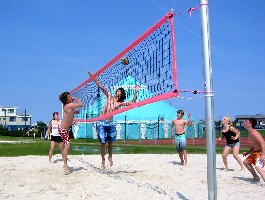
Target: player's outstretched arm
[104,90]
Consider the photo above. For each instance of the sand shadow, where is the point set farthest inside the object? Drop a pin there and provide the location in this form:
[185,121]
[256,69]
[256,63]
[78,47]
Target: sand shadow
[119,175]
[180,196]
[250,180]
[123,176]
[223,169]
[107,171]
[76,169]
[110,172]
[71,170]
[57,160]
[176,163]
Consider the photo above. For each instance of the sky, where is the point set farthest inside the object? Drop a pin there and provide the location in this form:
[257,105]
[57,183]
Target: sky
[47,46]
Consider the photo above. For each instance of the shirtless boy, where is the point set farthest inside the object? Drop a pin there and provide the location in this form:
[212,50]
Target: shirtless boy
[256,153]
[180,137]
[106,129]
[69,105]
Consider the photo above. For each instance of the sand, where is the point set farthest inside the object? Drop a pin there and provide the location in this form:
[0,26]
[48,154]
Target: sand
[136,176]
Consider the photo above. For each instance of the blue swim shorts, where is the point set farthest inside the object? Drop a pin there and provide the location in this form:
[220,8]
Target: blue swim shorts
[180,142]
[106,131]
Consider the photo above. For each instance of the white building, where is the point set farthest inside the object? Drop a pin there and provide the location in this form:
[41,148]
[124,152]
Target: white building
[259,117]
[14,121]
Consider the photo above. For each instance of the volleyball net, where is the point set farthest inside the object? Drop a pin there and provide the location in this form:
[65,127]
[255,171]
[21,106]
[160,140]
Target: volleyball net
[150,62]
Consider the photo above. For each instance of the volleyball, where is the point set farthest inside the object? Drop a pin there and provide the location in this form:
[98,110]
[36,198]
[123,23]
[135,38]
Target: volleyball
[125,61]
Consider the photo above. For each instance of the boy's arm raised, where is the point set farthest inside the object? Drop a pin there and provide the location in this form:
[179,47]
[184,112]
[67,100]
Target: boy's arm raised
[104,90]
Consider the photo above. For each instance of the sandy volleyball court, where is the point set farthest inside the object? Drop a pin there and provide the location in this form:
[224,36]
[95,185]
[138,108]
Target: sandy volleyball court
[136,176]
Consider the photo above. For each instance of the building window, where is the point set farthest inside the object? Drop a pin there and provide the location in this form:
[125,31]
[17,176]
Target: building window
[12,119]
[24,119]
[11,110]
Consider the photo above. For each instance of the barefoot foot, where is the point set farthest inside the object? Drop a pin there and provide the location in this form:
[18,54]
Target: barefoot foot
[110,161]
[66,170]
[103,164]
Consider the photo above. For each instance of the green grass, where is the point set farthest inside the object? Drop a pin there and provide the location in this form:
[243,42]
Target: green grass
[30,146]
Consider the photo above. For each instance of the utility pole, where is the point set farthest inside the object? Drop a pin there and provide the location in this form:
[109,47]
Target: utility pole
[25,119]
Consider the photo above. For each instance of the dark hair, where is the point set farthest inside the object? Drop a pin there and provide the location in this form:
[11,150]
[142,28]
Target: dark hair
[123,94]
[253,122]
[55,113]
[64,97]
[181,112]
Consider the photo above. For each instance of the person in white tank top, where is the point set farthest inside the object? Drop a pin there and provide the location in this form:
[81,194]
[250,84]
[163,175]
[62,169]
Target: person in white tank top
[55,136]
